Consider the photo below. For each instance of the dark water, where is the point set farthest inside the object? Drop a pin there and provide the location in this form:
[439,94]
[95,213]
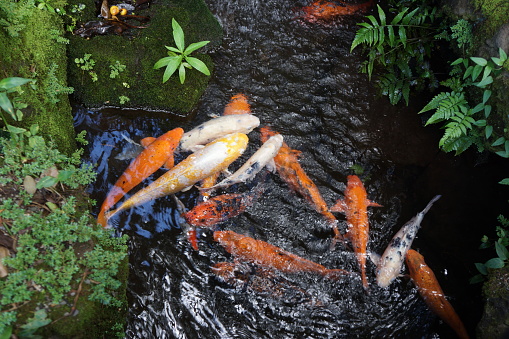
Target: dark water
[302,81]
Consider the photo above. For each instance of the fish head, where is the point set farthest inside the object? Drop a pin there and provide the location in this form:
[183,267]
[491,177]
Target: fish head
[238,105]
[354,181]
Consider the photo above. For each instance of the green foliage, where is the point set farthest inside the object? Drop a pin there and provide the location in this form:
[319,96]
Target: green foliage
[179,58]
[500,245]
[47,263]
[116,69]
[402,46]
[462,33]
[54,88]
[123,99]
[87,64]
[9,85]
[462,122]
[13,15]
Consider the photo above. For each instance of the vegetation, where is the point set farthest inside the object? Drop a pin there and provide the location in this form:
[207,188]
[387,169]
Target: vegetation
[179,58]
[51,253]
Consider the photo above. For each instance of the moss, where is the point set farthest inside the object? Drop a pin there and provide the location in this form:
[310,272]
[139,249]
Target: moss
[32,55]
[140,82]
[495,320]
[496,13]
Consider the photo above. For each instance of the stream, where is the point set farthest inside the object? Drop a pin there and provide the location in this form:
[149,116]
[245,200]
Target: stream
[302,80]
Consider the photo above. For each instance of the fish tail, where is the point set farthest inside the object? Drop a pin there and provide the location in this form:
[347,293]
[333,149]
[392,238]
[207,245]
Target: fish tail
[435,198]
[101,219]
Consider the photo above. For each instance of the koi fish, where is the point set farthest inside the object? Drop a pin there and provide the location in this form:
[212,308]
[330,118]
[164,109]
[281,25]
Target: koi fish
[146,163]
[214,157]
[391,262]
[289,169]
[271,257]
[326,10]
[242,276]
[238,105]
[430,290]
[355,206]
[146,142]
[261,158]
[216,128]
[219,209]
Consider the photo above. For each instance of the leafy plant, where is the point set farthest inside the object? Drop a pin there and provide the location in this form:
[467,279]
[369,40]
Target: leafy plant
[500,245]
[87,64]
[116,69]
[462,123]
[9,85]
[54,88]
[179,57]
[402,46]
[123,99]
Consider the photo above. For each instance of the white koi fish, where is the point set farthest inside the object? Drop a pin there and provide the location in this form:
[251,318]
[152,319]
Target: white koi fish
[216,128]
[215,156]
[256,163]
[391,263]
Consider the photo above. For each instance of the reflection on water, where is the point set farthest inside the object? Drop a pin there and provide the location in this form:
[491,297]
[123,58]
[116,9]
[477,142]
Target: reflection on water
[302,81]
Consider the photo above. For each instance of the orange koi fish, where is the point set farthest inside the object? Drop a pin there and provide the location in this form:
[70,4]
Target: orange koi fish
[355,206]
[215,156]
[262,281]
[322,10]
[271,257]
[145,142]
[430,290]
[289,169]
[159,152]
[238,105]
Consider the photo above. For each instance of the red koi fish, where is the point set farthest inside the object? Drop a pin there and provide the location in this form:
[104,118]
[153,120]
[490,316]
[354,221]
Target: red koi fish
[289,169]
[271,257]
[146,163]
[355,206]
[238,105]
[322,10]
[430,290]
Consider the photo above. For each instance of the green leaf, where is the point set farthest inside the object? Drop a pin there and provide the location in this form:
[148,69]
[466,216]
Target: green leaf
[178,35]
[46,181]
[497,61]
[457,61]
[468,71]
[6,104]
[488,131]
[392,38]
[486,96]
[480,123]
[6,334]
[504,181]
[503,55]
[481,268]
[501,251]
[475,73]
[479,107]
[402,35]
[381,15]
[9,83]
[171,67]
[476,279]
[479,61]
[198,64]
[162,62]
[173,49]
[498,142]
[495,263]
[194,46]
[64,175]
[182,73]
[487,110]
[15,130]
[485,82]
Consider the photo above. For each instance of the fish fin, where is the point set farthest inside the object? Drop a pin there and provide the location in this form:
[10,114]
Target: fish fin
[336,274]
[187,188]
[191,237]
[196,148]
[375,258]
[213,115]
[226,172]
[271,166]
[339,206]
[373,204]
[296,153]
[145,142]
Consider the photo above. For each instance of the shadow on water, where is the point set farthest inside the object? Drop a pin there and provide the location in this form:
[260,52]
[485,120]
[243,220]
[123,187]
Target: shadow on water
[302,80]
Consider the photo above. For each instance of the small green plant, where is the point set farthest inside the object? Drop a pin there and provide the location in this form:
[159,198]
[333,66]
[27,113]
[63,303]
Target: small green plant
[402,46]
[462,33]
[116,69]
[54,88]
[500,245]
[9,85]
[87,64]
[179,58]
[462,123]
[123,99]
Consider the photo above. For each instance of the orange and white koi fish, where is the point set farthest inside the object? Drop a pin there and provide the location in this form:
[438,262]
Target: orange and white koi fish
[260,159]
[322,10]
[289,169]
[215,156]
[244,276]
[147,162]
[271,257]
[391,262]
[216,128]
[430,290]
[355,206]
[238,105]
[219,209]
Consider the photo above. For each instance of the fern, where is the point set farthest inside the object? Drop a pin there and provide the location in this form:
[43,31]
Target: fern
[447,105]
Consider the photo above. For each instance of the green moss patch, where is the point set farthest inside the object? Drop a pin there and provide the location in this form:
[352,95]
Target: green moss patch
[138,85]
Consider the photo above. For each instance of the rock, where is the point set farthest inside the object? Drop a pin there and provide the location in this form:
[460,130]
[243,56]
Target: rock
[495,320]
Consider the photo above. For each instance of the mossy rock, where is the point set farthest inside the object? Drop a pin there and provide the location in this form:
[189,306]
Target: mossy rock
[139,49]
[31,51]
[495,321]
